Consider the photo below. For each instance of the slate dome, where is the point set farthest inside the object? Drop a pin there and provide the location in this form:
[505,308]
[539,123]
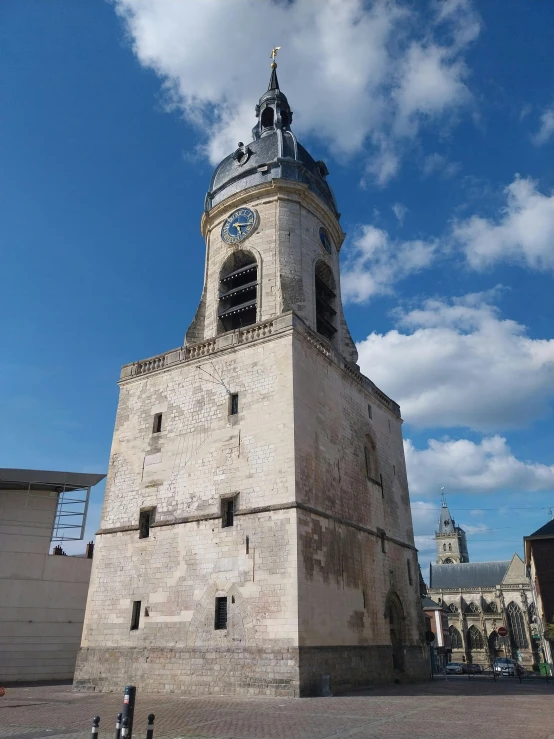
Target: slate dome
[274,153]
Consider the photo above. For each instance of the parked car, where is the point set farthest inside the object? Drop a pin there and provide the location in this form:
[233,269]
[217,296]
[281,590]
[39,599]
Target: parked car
[456,668]
[473,669]
[505,666]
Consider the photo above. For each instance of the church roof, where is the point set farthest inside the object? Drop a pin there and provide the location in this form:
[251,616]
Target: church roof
[468,575]
[546,530]
[430,605]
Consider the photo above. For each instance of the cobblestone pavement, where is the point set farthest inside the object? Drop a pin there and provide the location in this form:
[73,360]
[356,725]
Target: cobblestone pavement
[455,709]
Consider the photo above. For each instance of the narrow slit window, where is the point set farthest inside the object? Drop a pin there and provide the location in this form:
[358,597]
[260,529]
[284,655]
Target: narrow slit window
[410,579]
[227,512]
[247,545]
[157,427]
[220,613]
[369,411]
[383,543]
[135,615]
[367,462]
[146,519]
[394,470]
[234,404]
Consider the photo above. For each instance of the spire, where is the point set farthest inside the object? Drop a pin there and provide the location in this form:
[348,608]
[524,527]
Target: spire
[273,81]
[446,522]
[273,110]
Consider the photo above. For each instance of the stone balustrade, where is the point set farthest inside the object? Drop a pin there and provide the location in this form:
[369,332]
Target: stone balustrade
[255,332]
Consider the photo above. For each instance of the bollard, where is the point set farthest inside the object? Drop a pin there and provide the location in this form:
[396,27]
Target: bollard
[128,709]
[150,728]
[118,726]
[125,728]
[95,725]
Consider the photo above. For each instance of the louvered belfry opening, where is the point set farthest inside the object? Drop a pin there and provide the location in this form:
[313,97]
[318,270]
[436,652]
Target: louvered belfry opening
[325,299]
[238,291]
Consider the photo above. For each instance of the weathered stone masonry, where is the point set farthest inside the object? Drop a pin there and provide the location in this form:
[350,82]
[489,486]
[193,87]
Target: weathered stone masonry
[315,572]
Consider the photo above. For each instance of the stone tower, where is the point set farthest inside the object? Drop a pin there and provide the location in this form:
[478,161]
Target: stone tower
[451,539]
[256,530]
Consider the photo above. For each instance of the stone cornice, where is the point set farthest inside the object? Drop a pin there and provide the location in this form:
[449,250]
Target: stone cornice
[256,511]
[257,332]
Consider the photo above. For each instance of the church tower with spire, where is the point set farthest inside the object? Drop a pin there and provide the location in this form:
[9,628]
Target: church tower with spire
[451,539]
[256,530]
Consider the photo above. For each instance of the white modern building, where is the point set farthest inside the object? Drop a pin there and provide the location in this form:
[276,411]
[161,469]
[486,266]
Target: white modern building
[42,594]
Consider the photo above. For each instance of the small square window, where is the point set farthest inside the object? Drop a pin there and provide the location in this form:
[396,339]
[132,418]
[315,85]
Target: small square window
[228,511]
[233,404]
[369,411]
[135,616]
[146,519]
[157,426]
[220,613]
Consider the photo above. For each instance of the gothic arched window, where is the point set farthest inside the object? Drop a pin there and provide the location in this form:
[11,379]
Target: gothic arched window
[475,638]
[455,638]
[517,626]
[473,608]
[453,608]
[493,608]
[448,561]
[450,547]
[444,547]
[494,642]
[238,291]
[325,299]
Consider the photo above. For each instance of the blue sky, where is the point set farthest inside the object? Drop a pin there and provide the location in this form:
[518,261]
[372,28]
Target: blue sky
[436,120]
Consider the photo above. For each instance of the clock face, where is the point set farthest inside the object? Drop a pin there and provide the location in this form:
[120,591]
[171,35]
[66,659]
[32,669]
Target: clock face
[325,240]
[238,225]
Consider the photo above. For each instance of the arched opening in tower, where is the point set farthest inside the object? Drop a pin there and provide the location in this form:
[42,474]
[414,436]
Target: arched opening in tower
[267,117]
[325,301]
[238,291]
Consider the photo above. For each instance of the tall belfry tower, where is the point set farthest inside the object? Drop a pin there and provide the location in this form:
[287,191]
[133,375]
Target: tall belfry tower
[451,539]
[256,530]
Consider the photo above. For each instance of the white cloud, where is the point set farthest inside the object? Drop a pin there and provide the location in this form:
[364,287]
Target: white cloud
[375,262]
[354,72]
[399,211]
[522,232]
[546,129]
[459,364]
[487,466]
[437,164]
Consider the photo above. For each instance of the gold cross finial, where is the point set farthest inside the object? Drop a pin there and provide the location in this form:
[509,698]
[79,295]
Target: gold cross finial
[273,55]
